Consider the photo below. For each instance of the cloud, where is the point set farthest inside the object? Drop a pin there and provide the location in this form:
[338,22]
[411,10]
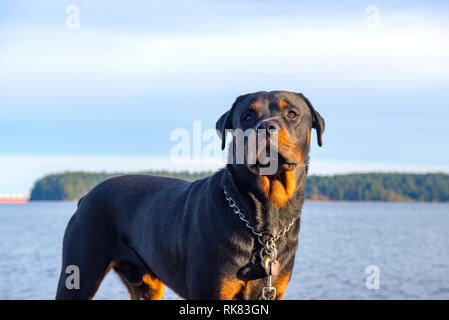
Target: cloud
[282,47]
[284,51]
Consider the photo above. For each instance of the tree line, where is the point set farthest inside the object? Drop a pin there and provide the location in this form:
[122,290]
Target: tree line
[345,187]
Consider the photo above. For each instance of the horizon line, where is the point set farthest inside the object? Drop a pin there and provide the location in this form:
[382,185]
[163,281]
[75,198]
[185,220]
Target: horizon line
[18,173]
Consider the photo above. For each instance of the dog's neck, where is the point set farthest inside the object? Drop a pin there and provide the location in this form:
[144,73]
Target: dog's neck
[270,211]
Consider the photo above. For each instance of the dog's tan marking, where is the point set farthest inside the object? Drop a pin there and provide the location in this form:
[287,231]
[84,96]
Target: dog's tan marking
[156,287]
[231,289]
[289,147]
[283,104]
[234,289]
[281,187]
[281,284]
[266,185]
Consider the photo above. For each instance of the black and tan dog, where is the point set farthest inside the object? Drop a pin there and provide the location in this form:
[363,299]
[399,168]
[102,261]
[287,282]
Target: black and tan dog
[156,231]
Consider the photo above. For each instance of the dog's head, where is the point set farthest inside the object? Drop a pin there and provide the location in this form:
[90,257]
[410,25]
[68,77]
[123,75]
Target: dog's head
[271,132]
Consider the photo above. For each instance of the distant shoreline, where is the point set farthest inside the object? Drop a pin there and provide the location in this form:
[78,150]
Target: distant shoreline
[387,187]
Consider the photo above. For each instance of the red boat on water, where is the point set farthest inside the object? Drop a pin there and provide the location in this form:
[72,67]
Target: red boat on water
[13,199]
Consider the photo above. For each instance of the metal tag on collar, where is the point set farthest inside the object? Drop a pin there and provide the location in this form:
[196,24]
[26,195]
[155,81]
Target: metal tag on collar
[274,268]
[267,258]
[269,292]
[271,266]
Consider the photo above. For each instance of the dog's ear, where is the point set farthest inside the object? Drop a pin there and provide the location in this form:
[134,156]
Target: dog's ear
[222,124]
[318,121]
[225,122]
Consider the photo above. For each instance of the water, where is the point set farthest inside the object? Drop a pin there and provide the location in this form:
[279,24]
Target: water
[408,242]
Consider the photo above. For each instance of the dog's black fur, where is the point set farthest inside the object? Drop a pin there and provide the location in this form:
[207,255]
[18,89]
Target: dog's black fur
[156,231]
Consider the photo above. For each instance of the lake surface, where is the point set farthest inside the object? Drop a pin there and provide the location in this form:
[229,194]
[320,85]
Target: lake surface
[407,242]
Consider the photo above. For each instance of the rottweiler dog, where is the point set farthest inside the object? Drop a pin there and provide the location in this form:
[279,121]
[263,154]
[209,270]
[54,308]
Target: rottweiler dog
[191,236]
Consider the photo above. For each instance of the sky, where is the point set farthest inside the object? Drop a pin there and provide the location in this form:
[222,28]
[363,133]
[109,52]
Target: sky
[107,96]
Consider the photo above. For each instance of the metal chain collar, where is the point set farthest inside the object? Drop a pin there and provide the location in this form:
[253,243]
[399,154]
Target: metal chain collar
[268,253]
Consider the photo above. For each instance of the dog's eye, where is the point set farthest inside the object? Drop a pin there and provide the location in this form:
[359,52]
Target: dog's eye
[248,117]
[291,114]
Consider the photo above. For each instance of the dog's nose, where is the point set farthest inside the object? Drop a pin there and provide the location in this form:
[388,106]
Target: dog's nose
[269,126]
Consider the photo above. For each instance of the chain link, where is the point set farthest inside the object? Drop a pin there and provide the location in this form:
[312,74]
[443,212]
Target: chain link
[268,248]
[270,242]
